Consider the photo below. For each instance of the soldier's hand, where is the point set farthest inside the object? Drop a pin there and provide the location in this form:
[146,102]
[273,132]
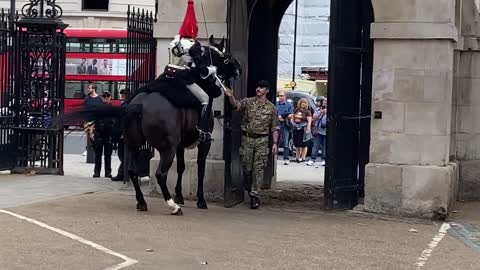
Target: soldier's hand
[274,149]
[228,92]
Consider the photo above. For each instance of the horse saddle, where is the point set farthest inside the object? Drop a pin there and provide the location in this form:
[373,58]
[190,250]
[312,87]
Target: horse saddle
[171,70]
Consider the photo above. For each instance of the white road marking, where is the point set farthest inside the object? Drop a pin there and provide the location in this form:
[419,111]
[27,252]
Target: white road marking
[128,261]
[431,246]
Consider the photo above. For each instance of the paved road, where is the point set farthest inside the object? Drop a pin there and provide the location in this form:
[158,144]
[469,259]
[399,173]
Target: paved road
[236,238]
[75,142]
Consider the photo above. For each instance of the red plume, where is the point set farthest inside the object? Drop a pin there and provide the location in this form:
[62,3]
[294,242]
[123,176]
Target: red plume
[189,27]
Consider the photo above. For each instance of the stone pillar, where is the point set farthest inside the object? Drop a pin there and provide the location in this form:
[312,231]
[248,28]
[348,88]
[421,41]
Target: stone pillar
[410,172]
[468,102]
[170,18]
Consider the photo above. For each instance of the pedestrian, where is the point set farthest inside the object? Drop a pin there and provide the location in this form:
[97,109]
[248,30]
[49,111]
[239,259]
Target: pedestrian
[260,120]
[92,100]
[301,120]
[319,132]
[285,108]
[103,141]
[117,138]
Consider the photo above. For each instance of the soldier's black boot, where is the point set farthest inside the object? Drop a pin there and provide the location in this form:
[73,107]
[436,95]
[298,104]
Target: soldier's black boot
[255,202]
[203,135]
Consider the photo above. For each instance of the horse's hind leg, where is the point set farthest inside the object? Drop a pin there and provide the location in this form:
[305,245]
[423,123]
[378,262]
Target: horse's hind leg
[166,160]
[180,170]
[203,150]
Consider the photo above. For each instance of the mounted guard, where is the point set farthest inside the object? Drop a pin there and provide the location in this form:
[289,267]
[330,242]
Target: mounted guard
[185,64]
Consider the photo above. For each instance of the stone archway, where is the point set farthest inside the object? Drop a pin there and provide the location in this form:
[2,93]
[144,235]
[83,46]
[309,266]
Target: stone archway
[253,28]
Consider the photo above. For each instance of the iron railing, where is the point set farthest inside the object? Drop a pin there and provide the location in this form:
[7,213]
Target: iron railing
[32,67]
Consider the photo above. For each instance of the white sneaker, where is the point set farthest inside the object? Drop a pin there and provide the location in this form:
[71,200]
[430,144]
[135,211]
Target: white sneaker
[310,163]
[286,162]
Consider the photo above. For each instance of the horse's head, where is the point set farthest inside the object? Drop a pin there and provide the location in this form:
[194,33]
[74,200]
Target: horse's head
[227,66]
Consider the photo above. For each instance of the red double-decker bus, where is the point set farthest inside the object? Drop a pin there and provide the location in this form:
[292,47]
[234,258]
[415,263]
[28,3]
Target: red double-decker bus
[94,56]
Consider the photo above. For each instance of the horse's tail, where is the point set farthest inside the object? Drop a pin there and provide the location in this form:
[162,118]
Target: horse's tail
[91,113]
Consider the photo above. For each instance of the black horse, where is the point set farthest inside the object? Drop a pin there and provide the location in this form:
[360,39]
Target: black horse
[152,118]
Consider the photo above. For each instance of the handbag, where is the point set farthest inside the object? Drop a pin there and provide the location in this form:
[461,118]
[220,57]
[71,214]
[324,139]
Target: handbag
[316,129]
[307,136]
[322,125]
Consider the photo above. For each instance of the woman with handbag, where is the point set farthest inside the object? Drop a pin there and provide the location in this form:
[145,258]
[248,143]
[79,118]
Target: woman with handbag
[301,121]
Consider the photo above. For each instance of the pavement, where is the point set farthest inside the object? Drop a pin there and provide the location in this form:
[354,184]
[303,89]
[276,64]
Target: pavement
[75,164]
[60,222]
[300,172]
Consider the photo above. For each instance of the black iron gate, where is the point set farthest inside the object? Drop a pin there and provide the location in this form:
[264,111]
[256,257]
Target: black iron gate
[141,66]
[7,138]
[32,65]
[141,49]
[349,101]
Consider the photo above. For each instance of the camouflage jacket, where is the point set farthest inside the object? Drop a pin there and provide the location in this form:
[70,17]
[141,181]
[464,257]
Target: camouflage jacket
[258,118]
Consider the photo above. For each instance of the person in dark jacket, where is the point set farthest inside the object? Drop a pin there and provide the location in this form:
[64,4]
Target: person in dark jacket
[103,141]
[117,138]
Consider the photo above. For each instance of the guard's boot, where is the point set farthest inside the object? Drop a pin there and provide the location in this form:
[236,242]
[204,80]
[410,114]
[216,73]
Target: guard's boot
[255,202]
[203,135]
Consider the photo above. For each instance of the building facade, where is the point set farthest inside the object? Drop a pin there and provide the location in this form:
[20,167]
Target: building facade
[425,149]
[312,37]
[92,13]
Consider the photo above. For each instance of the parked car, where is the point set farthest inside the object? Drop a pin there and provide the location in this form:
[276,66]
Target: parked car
[294,97]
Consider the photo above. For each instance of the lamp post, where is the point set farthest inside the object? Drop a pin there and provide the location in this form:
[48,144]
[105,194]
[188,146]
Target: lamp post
[294,44]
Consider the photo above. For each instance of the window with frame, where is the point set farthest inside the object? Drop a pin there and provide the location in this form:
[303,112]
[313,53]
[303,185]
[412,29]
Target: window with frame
[78,45]
[75,89]
[96,5]
[104,46]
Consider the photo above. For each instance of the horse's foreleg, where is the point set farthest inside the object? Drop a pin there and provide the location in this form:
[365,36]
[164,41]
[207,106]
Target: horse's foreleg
[203,150]
[131,158]
[166,160]
[141,203]
[180,170]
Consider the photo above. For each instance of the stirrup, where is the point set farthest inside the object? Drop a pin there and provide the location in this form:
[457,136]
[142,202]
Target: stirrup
[204,137]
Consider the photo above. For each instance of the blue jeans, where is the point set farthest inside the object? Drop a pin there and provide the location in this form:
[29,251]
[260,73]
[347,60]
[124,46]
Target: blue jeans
[285,131]
[317,141]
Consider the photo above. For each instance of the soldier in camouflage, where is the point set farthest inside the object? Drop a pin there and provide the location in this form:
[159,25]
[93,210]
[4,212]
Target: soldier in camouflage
[260,119]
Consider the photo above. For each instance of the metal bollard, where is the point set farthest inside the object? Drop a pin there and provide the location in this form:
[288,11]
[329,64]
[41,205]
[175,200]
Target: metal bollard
[90,152]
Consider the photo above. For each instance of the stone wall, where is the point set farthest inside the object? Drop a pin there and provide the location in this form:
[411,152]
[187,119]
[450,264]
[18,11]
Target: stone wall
[410,171]
[468,102]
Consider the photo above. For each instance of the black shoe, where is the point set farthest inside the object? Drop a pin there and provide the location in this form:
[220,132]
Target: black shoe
[117,178]
[96,175]
[108,175]
[254,203]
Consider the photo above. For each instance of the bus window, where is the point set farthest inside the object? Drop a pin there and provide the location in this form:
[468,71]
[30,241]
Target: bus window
[122,46]
[76,45]
[119,86]
[104,86]
[73,47]
[75,89]
[103,46]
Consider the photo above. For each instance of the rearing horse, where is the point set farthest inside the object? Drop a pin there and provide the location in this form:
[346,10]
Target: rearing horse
[150,117]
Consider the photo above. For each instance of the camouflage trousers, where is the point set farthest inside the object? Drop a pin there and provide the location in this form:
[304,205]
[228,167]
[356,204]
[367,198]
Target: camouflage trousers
[254,157]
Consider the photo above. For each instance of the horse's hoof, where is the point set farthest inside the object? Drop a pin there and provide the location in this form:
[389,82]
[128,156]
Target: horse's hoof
[178,200]
[202,204]
[178,213]
[142,207]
